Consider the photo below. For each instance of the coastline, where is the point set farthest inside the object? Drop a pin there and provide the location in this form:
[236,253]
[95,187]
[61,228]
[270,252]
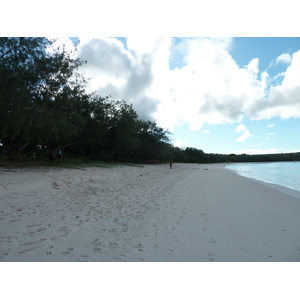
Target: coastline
[283,187]
[192,213]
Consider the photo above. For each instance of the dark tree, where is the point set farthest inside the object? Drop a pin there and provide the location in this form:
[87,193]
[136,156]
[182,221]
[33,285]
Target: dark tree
[41,94]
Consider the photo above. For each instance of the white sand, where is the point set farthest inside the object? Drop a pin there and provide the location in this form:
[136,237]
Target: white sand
[192,213]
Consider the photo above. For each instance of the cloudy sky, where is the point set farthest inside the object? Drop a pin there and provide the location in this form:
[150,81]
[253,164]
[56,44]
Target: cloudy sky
[221,95]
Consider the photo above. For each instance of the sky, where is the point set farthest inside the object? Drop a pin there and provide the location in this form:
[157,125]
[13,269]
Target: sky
[220,95]
[223,77]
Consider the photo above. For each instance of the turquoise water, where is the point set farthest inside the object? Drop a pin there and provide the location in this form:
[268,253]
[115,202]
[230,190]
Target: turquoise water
[286,174]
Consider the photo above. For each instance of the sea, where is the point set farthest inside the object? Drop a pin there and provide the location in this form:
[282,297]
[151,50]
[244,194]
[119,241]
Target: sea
[286,174]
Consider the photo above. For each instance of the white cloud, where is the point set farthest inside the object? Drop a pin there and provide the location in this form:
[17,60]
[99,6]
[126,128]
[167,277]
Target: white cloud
[270,125]
[244,137]
[246,134]
[129,73]
[282,100]
[284,58]
[271,133]
[206,131]
[208,87]
[241,128]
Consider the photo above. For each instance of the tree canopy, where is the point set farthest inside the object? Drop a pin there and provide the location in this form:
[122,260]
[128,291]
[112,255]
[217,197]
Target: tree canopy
[43,103]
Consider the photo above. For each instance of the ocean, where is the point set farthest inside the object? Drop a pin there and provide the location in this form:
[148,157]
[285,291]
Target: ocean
[286,174]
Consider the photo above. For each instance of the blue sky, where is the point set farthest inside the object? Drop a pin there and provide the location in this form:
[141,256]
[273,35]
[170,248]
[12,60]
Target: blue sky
[221,95]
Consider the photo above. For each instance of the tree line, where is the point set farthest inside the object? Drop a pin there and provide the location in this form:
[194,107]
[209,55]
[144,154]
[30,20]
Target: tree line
[44,106]
[193,155]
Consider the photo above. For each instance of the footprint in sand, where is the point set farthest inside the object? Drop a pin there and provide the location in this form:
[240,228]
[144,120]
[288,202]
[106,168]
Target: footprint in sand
[84,258]
[210,257]
[27,250]
[113,246]
[3,252]
[213,241]
[121,257]
[68,250]
[139,247]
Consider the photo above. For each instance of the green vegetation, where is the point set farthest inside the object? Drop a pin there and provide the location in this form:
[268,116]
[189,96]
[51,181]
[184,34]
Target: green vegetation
[44,107]
[193,155]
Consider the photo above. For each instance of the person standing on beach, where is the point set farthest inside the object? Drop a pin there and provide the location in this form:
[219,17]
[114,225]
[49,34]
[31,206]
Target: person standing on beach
[59,154]
[171,163]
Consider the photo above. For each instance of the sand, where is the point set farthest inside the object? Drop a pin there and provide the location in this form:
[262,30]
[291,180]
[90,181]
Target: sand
[191,213]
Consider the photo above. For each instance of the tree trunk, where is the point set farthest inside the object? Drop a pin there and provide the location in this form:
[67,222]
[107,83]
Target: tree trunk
[23,147]
[13,151]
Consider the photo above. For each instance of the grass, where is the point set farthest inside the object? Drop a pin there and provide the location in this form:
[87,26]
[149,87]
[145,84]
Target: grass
[70,163]
[78,164]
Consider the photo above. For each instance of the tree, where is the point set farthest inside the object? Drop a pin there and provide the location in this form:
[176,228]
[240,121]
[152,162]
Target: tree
[195,155]
[41,94]
[94,137]
[18,78]
[122,126]
[43,102]
[154,141]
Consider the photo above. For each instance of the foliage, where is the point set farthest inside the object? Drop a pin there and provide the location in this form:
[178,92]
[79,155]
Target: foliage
[193,155]
[40,93]
[43,106]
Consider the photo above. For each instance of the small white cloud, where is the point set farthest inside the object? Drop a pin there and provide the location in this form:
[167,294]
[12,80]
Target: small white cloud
[245,135]
[241,128]
[271,125]
[205,131]
[271,133]
[284,58]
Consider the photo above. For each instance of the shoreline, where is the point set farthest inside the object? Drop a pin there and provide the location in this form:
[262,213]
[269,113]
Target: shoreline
[192,213]
[281,188]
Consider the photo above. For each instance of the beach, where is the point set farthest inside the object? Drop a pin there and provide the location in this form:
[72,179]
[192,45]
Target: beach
[148,213]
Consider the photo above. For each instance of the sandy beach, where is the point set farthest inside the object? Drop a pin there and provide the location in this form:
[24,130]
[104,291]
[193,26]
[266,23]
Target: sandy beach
[191,213]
